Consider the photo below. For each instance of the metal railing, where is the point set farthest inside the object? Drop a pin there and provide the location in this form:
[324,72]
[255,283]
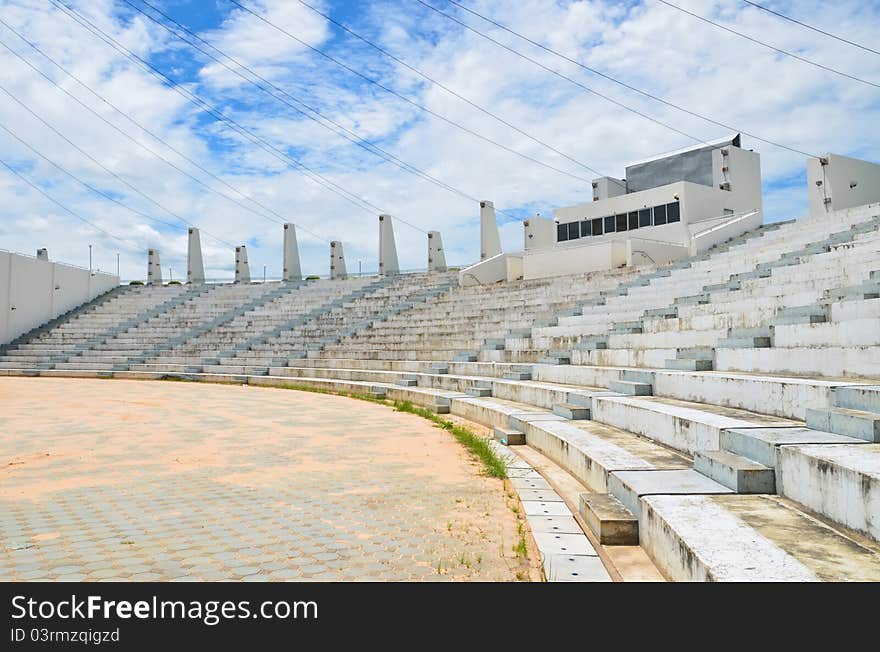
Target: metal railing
[733,219]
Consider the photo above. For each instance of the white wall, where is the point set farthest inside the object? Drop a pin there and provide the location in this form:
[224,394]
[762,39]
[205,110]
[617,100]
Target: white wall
[34,291]
[492,270]
[538,233]
[717,231]
[640,251]
[836,177]
[577,258]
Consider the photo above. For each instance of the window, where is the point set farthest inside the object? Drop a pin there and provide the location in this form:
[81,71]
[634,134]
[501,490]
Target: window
[574,230]
[659,215]
[609,224]
[673,213]
[586,228]
[645,217]
[620,220]
[597,226]
[633,220]
[561,232]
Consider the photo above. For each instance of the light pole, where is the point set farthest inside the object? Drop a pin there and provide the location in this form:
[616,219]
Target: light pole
[264,273]
[359,268]
[170,274]
[117,264]
[90,258]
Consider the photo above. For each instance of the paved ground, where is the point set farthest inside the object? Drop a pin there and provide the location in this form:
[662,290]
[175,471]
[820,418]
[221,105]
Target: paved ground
[128,480]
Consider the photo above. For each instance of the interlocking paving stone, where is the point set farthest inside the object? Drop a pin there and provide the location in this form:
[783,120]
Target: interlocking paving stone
[139,481]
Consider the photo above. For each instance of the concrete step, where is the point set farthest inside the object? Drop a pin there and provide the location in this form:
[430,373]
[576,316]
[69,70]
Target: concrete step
[630,487]
[686,364]
[747,538]
[631,388]
[735,472]
[845,421]
[699,353]
[626,328]
[858,398]
[555,360]
[762,445]
[509,436]
[861,291]
[611,522]
[592,344]
[517,375]
[693,300]
[637,376]
[661,313]
[571,411]
[744,343]
[479,391]
[839,482]
[406,382]
[683,425]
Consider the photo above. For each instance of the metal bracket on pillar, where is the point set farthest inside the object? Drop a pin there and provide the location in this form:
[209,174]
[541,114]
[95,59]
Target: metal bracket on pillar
[490,241]
[292,270]
[242,270]
[388,263]
[436,255]
[337,261]
[195,268]
[154,269]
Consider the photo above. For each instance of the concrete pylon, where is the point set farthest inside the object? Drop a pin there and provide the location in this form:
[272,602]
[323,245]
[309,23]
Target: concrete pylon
[337,260]
[292,270]
[242,270]
[490,241]
[436,255]
[154,269]
[388,264]
[195,268]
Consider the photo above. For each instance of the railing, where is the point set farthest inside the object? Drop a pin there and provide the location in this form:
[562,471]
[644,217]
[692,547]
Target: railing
[734,218]
[277,279]
[57,262]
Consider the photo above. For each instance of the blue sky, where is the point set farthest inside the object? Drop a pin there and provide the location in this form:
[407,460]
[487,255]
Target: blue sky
[645,44]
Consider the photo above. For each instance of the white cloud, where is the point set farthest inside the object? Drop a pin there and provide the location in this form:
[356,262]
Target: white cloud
[651,46]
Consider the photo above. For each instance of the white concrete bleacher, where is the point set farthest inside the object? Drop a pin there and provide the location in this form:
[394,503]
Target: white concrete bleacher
[722,411]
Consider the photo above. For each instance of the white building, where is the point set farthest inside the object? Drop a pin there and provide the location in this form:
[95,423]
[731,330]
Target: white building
[668,207]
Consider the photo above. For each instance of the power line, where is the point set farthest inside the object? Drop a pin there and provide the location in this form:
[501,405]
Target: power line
[767,45]
[559,74]
[127,243]
[87,185]
[601,74]
[283,156]
[815,29]
[353,137]
[445,88]
[94,160]
[406,99]
[154,135]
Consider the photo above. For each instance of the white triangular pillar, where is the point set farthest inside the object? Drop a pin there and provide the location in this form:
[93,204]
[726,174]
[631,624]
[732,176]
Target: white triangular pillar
[292,269]
[490,241]
[154,269]
[337,260]
[388,264]
[242,269]
[436,255]
[195,267]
